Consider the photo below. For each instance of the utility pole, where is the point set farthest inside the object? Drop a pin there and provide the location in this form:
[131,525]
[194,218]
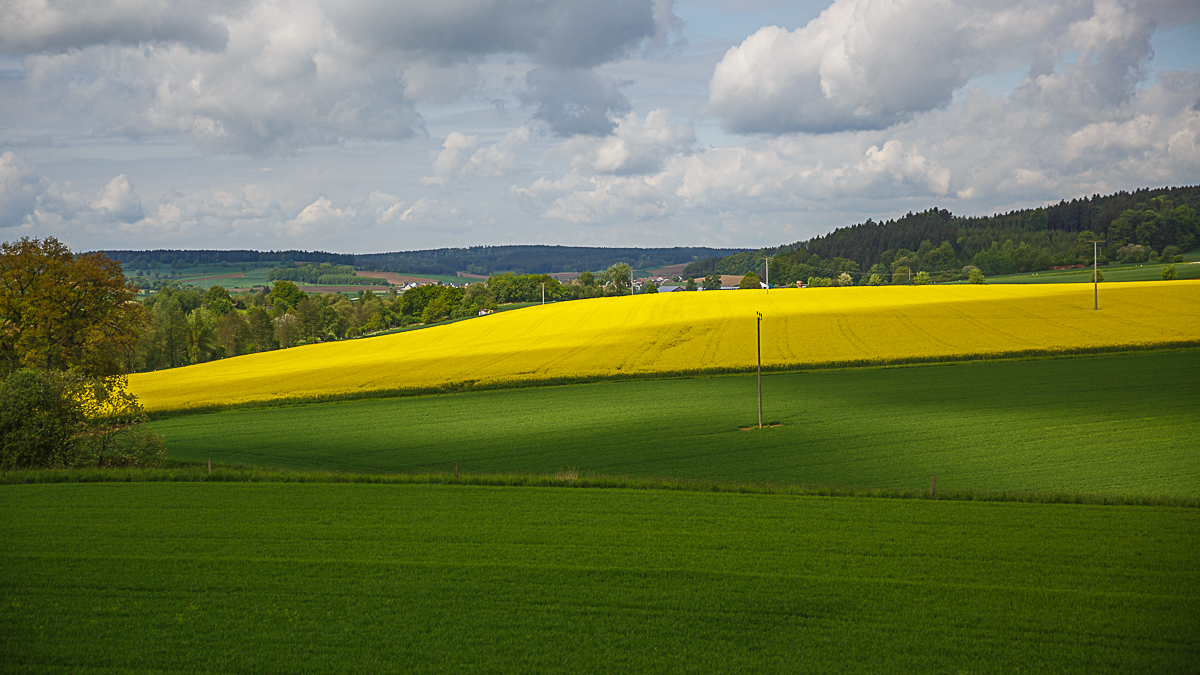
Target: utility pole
[768,261]
[758,330]
[1095,274]
[631,279]
[543,292]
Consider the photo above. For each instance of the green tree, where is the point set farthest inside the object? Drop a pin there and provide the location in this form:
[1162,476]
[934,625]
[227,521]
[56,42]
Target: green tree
[287,295]
[1168,273]
[976,276]
[59,311]
[751,280]
[712,282]
[218,301]
[617,279]
[1097,276]
[901,275]
[649,287]
[876,280]
[690,285]
[922,278]
[844,279]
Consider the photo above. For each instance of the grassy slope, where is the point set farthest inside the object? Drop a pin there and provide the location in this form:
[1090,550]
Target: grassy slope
[1112,273]
[1123,424]
[269,578]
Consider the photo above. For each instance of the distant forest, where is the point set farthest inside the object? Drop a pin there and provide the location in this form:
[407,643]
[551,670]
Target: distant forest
[180,258]
[1148,225]
[483,260]
[532,259]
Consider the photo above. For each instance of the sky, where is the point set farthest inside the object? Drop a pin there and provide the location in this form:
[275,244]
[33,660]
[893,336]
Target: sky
[361,126]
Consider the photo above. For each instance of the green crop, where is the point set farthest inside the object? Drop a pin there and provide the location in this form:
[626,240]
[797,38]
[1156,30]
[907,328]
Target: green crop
[1115,425]
[336,578]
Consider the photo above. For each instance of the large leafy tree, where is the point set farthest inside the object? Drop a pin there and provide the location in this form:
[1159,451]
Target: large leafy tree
[60,311]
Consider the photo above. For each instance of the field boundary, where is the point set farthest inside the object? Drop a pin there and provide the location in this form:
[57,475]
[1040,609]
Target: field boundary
[197,473]
[500,384]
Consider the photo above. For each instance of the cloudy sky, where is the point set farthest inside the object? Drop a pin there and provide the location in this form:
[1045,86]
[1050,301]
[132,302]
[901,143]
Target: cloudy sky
[379,125]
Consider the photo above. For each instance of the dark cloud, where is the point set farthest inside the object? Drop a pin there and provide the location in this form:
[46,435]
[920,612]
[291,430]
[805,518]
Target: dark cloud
[574,101]
[55,25]
[561,33]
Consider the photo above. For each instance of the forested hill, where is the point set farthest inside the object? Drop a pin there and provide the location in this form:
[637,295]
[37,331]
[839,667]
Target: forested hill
[476,260]
[532,259]
[189,258]
[1147,224]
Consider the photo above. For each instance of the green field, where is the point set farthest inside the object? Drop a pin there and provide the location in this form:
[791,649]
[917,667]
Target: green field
[1112,273]
[287,578]
[1118,425]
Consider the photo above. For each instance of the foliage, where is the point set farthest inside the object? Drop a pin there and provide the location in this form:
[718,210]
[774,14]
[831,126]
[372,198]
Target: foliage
[976,276]
[1140,223]
[616,280]
[286,294]
[1168,273]
[649,288]
[534,260]
[751,280]
[921,279]
[697,332]
[1096,276]
[60,419]
[60,311]
[875,280]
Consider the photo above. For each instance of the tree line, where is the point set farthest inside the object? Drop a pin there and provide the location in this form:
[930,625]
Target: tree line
[322,273]
[1151,225]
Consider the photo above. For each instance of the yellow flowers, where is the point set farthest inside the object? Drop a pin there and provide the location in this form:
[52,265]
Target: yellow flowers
[696,332]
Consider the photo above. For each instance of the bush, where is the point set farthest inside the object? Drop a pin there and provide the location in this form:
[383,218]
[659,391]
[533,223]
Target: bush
[1168,273]
[976,276]
[1097,276]
[751,280]
[38,421]
[922,279]
[52,420]
[876,280]
[844,279]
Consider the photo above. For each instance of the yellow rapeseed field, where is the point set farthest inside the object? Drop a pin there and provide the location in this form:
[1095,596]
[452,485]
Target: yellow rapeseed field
[690,332]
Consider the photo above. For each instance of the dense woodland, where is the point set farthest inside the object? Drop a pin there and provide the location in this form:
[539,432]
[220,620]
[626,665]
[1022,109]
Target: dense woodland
[484,260]
[531,259]
[1149,225]
[322,273]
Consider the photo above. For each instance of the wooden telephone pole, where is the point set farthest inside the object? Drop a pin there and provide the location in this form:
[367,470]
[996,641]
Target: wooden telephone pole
[758,327]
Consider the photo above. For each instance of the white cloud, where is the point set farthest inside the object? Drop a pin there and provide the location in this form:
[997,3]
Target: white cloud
[634,147]
[462,157]
[271,76]
[870,64]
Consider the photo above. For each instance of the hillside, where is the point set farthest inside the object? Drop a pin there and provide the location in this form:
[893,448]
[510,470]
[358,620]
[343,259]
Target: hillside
[531,259]
[483,260]
[1147,225]
[637,336]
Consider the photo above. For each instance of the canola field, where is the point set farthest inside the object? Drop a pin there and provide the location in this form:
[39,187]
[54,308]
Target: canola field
[681,333]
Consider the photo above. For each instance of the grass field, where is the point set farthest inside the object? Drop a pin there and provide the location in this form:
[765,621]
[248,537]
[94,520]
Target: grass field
[1121,424]
[1112,273]
[269,578]
[639,336]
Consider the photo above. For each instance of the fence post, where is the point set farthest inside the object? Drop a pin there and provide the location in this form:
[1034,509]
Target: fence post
[933,487]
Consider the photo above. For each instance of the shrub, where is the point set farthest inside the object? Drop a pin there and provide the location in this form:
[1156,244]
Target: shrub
[844,279]
[876,280]
[976,276]
[1097,276]
[751,280]
[1168,273]
[922,279]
